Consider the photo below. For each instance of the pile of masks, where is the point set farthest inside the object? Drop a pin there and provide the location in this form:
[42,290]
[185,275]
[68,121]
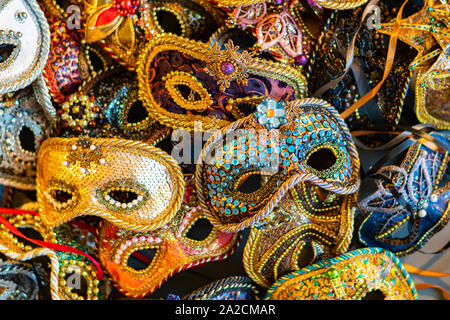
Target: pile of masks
[141,138]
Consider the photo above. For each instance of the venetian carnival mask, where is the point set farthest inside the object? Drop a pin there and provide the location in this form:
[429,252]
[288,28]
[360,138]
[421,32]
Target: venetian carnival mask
[20,281]
[107,105]
[308,223]
[130,183]
[24,43]
[248,167]
[182,81]
[24,127]
[366,71]
[231,288]
[73,276]
[364,274]
[123,27]
[70,60]
[411,202]
[330,4]
[139,263]
[426,32]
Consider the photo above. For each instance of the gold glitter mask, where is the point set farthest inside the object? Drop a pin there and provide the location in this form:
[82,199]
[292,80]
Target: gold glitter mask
[132,184]
[364,274]
[24,43]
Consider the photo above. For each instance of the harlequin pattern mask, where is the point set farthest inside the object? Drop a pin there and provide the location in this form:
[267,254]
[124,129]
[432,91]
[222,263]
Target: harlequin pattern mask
[24,43]
[307,224]
[123,27]
[130,183]
[249,166]
[420,181]
[24,127]
[329,62]
[183,81]
[364,274]
[139,263]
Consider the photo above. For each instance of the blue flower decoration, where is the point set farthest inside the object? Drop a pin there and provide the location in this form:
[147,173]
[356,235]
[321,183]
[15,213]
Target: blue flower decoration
[271,113]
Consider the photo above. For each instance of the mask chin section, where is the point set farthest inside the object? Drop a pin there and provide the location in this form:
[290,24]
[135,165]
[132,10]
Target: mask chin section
[141,259]
[374,295]
[200,230]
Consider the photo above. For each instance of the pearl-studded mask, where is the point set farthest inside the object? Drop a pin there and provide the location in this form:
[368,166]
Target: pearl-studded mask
[250,165]
[183,81]
[132,184]
[139,263]
[364,274]
[24,43]
[23,128]
[420,182]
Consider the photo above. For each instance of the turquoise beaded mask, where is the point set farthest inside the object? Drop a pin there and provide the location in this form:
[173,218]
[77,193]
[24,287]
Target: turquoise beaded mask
[249,165]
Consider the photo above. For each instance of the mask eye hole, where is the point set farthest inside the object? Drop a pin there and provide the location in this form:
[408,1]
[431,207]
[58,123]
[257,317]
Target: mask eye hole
[169,22]
[374,295]
[30,233]
[249,183]
[321,159]
[199,230]
[141,259]
[6,50]
[189,97]
[123,196]
[27,139]
[137,112]
[187,93]
[306,256]
[61,196]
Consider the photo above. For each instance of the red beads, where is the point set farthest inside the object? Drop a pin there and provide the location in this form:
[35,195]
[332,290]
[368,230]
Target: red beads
[126,7]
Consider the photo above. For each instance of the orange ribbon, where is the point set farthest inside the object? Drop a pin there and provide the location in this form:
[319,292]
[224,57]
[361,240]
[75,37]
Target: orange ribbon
[427,273]
[420,286]
[387,69]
